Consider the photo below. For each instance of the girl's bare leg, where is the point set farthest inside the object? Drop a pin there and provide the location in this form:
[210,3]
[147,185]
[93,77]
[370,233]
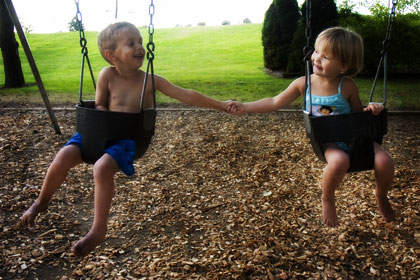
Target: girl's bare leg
[337,165]
[103,172]
[384,175]
[68,157]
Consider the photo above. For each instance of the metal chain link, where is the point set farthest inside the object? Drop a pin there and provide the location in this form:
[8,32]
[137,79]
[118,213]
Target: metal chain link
[151,30]
[307,50]
[83,41]
[386,42]
[84,51]
[384,55]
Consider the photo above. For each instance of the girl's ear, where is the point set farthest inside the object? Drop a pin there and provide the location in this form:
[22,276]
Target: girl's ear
[344,68]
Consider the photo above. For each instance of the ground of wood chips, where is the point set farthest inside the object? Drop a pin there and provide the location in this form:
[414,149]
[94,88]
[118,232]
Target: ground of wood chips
[215,197]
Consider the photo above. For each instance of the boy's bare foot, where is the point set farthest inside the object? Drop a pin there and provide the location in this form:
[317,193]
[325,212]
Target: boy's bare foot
[88,243]
[329,214]
[385,208]
[28,218]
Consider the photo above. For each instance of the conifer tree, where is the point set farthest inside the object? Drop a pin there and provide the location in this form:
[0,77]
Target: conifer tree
[279,26]
[324,15]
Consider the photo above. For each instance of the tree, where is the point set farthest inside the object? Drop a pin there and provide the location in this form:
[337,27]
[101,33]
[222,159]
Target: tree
[10,50]
[246,21]
[323,15]
[378,8]
[279,26]
[75,25]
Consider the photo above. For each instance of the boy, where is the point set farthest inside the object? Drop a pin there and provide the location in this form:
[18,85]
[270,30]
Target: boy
[119,88]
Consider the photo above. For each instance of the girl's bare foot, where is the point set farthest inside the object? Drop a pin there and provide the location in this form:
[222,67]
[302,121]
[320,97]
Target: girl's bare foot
[28,218]
[329,214]
[88,243]
[385,208]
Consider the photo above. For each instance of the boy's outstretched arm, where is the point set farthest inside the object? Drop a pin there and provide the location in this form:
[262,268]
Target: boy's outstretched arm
[188,96]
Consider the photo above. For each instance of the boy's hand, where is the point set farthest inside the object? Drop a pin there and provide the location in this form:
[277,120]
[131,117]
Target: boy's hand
[376,108]
[235,108]
[225,106]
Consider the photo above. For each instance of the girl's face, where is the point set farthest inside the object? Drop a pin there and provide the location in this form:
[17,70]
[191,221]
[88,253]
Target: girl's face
[129,52]
[324,63]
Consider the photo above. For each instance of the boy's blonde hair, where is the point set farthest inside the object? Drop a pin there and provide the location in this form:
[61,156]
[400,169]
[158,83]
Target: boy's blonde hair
[345,45]
[107,38]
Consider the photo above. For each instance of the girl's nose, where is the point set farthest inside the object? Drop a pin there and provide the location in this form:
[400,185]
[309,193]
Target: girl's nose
[315,56]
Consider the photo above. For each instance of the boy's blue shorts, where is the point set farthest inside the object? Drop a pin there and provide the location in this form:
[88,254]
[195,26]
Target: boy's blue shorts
[122,151]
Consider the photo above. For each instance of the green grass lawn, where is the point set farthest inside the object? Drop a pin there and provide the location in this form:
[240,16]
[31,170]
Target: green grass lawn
[224,62]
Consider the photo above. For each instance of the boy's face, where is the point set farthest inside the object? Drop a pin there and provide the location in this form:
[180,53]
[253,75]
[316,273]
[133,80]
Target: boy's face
[325,63]
[129,51]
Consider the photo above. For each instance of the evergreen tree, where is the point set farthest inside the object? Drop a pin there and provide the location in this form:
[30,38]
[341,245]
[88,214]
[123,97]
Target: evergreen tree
[323,15]
[279,26]
[75,25]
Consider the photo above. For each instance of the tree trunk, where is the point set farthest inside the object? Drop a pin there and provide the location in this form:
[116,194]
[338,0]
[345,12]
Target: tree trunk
[10,50]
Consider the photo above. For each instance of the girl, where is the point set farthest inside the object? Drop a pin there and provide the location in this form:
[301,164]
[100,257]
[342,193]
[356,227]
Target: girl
[338,56]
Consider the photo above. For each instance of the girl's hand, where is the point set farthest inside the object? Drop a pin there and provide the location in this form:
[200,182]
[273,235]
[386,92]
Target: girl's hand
[376,108]
[235,108]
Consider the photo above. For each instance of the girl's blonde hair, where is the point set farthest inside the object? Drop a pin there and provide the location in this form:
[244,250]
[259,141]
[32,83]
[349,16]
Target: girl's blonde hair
[107,38]
[345,45]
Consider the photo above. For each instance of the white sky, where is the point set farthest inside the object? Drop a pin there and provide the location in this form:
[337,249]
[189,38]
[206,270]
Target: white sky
[47,16]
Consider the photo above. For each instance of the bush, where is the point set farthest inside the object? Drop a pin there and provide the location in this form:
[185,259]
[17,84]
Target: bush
[404,45]
[246,21]
[279,26]
[323,15]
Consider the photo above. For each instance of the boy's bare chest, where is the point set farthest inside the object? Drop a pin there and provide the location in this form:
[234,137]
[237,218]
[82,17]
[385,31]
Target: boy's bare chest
[125,95]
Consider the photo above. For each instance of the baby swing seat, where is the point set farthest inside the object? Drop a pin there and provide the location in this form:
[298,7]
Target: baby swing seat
[98,127]
[358,130]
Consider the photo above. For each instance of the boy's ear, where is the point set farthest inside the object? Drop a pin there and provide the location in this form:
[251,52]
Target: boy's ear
[109,55]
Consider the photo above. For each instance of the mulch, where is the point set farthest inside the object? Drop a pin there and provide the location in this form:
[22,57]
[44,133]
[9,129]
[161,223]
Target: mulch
[215,197]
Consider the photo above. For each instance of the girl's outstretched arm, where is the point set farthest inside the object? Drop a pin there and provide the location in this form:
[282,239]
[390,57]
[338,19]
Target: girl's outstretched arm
[271,104]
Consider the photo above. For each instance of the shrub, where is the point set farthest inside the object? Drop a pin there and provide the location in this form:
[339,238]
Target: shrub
[323,15]
[279,26]
[404,45]
[246,21]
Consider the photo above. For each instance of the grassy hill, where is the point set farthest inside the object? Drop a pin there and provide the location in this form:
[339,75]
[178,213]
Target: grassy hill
[224,62]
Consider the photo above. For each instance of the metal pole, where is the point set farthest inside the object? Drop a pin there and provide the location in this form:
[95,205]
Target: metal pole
[31,61]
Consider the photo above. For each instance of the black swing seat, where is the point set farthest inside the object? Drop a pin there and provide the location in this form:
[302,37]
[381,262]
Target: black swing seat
[98,127]
[357,130]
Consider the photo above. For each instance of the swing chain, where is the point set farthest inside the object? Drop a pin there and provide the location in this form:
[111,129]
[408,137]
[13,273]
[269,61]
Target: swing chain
[84,51]
[83,41]
[307,50]
[151,31]
[386,42]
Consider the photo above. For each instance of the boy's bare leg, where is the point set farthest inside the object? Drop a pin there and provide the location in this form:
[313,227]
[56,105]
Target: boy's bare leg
[337,166]
[68,157]
[384,175]
[104,171]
